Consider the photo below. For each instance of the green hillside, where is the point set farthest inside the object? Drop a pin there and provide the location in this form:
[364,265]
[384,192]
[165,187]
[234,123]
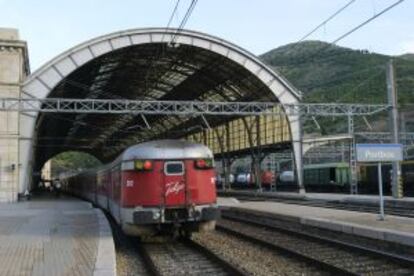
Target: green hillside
[407,56]
[326,73]
[72,161]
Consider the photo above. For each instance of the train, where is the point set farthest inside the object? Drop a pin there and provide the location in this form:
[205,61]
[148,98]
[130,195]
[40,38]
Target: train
[327,177]
[336,178]
[152,188]
[246,180]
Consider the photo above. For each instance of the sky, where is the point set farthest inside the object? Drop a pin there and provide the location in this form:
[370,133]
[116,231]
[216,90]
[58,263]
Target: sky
[51,27]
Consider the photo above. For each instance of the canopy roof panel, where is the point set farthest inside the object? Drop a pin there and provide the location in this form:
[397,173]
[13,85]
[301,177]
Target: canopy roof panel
[142,64]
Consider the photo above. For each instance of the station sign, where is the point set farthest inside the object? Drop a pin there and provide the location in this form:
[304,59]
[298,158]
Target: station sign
[379,152]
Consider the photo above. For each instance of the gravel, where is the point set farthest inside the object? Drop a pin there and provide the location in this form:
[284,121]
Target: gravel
[348,259]
[128,259]
[251,258]
[176,258]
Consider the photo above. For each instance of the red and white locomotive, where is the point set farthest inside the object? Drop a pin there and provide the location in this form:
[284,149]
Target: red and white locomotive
[163,185]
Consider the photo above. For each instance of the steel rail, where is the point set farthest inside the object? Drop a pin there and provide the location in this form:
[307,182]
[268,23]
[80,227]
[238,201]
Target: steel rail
[403,260]
[155,269]
[150,264]
[313,261]
[230,268]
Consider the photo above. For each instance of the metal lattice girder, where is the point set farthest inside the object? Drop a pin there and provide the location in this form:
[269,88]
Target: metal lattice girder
[385,136]
[111,106]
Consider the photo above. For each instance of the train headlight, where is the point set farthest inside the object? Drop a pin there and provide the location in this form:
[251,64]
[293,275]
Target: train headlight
[147,165]
[207,163]
[156,215]
[143,165]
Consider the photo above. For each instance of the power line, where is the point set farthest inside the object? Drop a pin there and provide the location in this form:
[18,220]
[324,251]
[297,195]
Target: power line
[325,47]
[171,18]
[367,21]
[367,80]
[187,15]
[321,24]
[182,24]
[326,20]
[358,27]
[172,14]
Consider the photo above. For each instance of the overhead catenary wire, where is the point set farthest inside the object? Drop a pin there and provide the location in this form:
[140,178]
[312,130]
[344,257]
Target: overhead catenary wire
[367,21]
[360,26]
[381,70]
[187,15]
[325,47]
[161,52]
[173,13]
[326,21]
[323,23]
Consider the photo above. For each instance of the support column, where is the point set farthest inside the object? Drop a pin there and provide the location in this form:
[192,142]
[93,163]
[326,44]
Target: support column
[13,70]
[396,184]
[352,157]
[258,159]
[297,141]
[227,158]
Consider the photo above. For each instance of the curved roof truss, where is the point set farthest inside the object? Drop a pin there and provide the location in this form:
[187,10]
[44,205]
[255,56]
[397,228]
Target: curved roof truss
[142,64]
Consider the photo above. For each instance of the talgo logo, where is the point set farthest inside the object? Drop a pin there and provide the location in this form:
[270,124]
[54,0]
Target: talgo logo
[174,187]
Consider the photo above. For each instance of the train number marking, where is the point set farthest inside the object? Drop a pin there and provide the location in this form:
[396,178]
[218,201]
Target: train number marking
[130,183]
[174,187]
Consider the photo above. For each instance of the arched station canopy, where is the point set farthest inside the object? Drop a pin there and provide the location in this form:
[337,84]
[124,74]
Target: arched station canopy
[143,64]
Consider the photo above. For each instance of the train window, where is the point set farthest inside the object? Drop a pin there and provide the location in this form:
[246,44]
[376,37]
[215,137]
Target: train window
[174,168]
[332,174]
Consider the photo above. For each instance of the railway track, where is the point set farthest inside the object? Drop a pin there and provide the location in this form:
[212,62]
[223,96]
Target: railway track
[166,257]
[331,255]
[333,204]
[184,257]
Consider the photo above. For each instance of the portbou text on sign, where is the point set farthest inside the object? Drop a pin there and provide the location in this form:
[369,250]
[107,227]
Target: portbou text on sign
[379,152]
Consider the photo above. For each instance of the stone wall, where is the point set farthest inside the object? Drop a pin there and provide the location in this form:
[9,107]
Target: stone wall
[13,70]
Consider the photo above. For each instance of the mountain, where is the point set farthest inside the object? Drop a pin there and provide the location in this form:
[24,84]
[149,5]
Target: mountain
[328,73]
[408,56]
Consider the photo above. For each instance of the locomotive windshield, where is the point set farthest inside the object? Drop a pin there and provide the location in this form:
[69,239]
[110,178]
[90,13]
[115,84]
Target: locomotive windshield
[174,168]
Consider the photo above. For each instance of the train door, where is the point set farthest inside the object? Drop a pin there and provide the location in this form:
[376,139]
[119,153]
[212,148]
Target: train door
[118,181]
[174,183]
[109,190]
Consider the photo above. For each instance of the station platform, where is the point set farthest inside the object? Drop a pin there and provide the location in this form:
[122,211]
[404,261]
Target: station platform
[393,229]
[47,236]
[406,202]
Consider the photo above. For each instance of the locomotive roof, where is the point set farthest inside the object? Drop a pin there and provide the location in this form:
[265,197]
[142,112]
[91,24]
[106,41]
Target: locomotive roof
[167,149]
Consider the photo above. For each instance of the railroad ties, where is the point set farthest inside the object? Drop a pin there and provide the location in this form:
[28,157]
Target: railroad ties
[184,257]
[329,254]
[248,242]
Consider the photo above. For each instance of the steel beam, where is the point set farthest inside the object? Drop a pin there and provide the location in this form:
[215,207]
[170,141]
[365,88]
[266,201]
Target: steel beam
[111,106]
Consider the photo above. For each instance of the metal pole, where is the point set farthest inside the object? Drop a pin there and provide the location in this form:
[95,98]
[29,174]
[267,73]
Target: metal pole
[299,166]
[257,168]
[393,115]
[381,197]
[224,179]
[352,157]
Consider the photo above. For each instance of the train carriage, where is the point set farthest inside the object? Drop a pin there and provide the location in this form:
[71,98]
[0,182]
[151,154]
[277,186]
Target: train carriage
[157,186]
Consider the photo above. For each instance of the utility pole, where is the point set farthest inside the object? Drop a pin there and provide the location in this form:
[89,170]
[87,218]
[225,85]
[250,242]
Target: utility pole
[396,184]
